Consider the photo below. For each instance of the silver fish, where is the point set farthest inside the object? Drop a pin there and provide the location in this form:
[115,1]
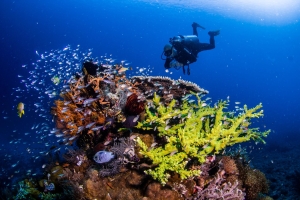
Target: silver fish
[88,101]
[136,118]
[103,157]
[90,125]
[96,128]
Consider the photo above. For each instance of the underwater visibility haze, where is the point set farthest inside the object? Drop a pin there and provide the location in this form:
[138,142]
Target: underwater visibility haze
[229,128]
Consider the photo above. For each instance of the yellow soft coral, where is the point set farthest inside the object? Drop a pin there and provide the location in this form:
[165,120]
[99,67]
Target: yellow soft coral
[194,131]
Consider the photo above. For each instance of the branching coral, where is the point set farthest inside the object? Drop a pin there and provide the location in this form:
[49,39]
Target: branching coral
[199,130]
[219,190]
[90,102]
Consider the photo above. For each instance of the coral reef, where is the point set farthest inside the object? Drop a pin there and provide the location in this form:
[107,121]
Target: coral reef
[163,141]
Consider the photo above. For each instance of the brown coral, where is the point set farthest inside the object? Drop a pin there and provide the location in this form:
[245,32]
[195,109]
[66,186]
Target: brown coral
[156,191]
[229,165]
[133,105]
[255,184]
[94,189]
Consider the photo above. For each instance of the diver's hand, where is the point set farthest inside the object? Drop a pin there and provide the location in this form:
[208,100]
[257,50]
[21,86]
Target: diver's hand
[167,63]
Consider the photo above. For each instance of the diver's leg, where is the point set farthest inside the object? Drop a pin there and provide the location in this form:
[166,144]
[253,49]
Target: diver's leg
[195,26]
[212,41]
[206,46]
[212,35]
[195,32]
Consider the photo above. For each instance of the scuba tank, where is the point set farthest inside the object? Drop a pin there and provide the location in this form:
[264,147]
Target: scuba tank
[181,41]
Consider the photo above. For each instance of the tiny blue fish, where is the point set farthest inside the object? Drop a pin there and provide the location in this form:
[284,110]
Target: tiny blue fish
[103,157]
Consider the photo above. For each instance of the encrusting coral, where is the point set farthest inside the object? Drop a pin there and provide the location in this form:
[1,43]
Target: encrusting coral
[255,182]
[194,132]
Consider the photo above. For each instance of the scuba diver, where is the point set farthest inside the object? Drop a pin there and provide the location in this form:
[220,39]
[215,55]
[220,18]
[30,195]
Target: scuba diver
[183,49]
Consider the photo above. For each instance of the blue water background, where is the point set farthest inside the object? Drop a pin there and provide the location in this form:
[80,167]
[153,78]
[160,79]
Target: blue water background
[253,62]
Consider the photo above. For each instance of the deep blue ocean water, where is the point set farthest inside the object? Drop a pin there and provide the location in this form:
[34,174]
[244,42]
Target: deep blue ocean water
[256,59]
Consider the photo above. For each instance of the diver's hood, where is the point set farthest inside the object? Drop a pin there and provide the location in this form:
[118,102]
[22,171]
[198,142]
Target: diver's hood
[167,47]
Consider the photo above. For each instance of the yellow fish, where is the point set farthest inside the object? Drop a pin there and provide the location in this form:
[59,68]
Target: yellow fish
[20,109]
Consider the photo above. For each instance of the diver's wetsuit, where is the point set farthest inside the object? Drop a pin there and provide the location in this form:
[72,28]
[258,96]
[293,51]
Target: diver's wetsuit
[204,46]
[187,52]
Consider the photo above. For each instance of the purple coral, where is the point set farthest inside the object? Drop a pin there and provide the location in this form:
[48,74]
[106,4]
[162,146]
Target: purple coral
[220,190]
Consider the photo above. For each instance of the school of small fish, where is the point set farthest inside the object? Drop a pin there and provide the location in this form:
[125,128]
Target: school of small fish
[40,83]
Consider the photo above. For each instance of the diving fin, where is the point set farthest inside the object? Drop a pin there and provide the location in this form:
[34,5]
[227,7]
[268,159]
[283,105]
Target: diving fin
[214,33]
[195,25]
